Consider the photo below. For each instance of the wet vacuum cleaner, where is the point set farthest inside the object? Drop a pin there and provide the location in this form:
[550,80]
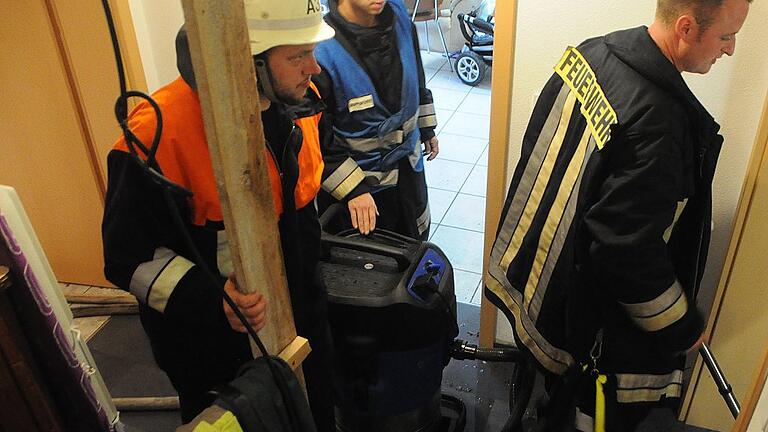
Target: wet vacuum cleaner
[392,312]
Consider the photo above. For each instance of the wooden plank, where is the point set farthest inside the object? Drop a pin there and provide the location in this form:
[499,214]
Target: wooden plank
[226,80]
[92,310]
[498,147]
[100,299]
[170,403]
[295,353]
[89,326]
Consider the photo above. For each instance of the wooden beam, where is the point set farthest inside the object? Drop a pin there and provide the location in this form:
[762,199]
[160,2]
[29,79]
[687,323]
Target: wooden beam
[149,403]
[226,82]
[295,353]
[498,147]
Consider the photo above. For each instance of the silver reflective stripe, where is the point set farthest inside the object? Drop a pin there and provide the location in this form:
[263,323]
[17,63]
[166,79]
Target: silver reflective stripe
[386,178]
[153,281]
[422,222]
[583,422]
[553,359]
[678,212]
[391,139]
[426,109]
[529,176]
[633,388]
[661,312]
[375,143]
[146,272]
[223,256]
[345,178]
[285,24]
[559,239]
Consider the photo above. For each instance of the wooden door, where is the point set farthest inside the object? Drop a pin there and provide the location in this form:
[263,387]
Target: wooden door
[738,325]
[58,80]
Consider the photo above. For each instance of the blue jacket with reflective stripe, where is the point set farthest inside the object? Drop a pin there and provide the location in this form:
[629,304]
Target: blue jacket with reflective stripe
[351,82]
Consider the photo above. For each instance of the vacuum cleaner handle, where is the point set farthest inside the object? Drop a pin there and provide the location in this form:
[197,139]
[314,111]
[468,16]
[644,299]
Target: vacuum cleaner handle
[723,387]
[399,255]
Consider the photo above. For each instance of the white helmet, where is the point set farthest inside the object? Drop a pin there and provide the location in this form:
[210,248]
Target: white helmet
[285,22]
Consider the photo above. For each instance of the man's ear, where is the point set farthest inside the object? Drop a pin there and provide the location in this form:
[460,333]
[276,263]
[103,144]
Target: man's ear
[686,27]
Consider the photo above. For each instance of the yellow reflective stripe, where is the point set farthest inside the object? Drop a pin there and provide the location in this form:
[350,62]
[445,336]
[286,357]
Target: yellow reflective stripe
[166,282]
[553,359]
[600,403]
[227,422]
[526,218]
[595,107]
[660,312]
[555,216]
[566,222]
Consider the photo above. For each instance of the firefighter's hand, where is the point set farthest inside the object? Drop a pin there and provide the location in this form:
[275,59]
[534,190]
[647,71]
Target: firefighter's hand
[431,148]
[362,210]
[253,306]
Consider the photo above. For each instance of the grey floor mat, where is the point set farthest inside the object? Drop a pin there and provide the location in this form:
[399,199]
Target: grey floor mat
[124,358]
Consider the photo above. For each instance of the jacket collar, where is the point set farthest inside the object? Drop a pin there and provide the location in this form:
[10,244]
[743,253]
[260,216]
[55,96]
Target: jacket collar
[636,48]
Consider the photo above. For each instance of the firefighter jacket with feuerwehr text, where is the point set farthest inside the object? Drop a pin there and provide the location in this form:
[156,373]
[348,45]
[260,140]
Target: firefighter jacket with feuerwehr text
[607,221]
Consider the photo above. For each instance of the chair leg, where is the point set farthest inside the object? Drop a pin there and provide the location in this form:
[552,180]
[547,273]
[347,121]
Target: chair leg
[415,8]
[445,46]
[426,33]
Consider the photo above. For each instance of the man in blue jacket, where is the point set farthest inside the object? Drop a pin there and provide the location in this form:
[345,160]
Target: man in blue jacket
[381,111]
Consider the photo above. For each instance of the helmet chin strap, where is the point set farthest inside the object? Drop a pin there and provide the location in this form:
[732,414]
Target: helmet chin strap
[265,80]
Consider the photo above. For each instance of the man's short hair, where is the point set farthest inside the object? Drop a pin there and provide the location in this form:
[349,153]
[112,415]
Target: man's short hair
[703,10]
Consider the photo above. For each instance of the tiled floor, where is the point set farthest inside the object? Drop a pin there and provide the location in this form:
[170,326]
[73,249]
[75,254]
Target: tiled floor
[457,178]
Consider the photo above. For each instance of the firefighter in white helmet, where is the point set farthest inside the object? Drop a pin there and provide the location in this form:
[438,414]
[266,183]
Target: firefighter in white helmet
[195,337]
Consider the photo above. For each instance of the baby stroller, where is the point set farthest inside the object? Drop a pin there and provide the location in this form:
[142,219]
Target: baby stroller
[477,53]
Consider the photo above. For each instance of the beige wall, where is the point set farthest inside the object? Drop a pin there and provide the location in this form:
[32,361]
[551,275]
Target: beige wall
[733,92]
[157,22]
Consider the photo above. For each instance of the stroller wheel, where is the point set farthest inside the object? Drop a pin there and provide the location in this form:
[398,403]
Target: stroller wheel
[470,68]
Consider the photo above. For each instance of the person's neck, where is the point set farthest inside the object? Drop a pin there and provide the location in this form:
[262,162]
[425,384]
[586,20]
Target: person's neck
[356,16]
[665,39]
